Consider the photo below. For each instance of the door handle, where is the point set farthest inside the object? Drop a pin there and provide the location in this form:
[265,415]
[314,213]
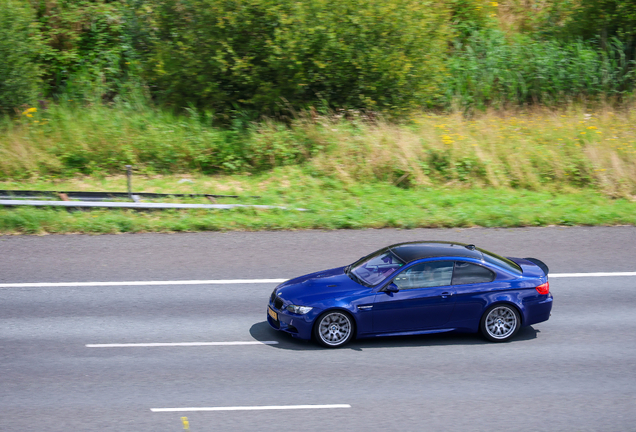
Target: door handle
[447,294]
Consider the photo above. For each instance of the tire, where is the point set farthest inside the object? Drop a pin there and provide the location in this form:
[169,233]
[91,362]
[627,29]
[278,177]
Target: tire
[500,323]
[334,329]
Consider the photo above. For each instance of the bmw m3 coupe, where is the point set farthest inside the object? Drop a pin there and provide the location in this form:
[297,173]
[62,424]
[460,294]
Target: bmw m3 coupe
[415,288]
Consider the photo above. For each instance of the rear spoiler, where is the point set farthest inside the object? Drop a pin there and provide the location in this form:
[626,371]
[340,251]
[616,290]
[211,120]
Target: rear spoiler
[540,264]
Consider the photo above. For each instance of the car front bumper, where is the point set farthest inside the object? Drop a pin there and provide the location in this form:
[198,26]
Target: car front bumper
[299,326]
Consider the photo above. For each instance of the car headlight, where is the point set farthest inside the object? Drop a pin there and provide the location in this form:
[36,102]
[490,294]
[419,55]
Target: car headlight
[300,310]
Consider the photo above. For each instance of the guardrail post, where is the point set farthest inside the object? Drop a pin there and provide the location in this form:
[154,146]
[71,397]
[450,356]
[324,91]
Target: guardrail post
[129,178]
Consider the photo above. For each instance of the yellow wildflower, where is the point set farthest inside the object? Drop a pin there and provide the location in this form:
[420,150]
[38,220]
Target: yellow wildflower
[495,4]
[447,140]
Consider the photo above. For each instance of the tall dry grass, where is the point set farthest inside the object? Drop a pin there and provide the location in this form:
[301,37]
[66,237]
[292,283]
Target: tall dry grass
[533,149]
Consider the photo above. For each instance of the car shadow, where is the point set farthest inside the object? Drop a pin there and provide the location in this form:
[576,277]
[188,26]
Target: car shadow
[263,332]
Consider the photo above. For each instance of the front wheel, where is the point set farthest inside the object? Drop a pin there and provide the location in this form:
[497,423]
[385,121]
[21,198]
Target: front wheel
[500,323]
[333,329]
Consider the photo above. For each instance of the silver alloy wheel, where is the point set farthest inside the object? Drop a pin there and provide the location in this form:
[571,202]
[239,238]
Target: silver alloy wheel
[501,322]
[334,328]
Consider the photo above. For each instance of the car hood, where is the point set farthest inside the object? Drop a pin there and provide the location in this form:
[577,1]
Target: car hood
[317,286]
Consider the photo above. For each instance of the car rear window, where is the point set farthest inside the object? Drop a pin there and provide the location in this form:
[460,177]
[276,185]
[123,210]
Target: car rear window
[467,273]
[500,261]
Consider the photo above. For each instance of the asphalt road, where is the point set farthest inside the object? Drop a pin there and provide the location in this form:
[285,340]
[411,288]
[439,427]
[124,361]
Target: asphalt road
[576,372]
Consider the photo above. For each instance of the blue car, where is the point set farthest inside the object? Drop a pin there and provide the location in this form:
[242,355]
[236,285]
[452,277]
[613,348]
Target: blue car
[415,288]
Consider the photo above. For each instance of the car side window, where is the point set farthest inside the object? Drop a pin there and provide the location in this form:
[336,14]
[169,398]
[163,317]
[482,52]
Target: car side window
[467,273]
[424,275]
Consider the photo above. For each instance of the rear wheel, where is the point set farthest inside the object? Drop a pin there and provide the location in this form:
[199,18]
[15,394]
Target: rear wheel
[333,329]
[500,323]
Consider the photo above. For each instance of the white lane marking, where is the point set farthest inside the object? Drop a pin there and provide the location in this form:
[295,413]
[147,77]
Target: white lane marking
[179,344]
[234,281]
[251,408]
[140,283]
[568,275]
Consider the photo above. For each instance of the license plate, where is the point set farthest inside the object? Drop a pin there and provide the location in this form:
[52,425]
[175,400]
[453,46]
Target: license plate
[273,314]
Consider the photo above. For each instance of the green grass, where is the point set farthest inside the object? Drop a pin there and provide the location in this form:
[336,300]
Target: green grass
[332,204]
[494,69]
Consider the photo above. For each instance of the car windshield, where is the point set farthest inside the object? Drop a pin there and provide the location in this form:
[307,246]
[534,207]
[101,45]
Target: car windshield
[374,269]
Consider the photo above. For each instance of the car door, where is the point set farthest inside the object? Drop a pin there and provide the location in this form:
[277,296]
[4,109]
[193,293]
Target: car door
[424,301]
[470,281]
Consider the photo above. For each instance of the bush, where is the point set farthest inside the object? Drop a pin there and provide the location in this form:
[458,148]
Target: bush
[468,16]
[600,20]
[19,47]
[273,56]
[87,47]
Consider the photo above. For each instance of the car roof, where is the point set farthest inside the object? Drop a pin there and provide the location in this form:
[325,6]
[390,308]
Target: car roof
[412,251]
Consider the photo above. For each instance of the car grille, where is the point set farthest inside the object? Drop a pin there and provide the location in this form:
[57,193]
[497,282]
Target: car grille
[278,303]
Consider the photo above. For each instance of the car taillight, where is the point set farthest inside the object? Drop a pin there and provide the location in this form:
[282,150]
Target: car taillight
[544,288]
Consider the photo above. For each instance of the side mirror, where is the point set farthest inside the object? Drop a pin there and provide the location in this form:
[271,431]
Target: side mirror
[391,288]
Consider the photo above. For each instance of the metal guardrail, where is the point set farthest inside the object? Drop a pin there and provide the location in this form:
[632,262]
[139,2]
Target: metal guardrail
[99,196]
[134,205]
[83,199]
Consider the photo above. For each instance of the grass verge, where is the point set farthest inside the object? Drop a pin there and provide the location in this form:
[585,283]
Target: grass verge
[571,166]
[537,149]
[332,204]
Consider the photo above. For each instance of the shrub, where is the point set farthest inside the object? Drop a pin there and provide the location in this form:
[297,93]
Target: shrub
[19,47]
[273,56]
[86,47]
[601,20]
[469,16]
